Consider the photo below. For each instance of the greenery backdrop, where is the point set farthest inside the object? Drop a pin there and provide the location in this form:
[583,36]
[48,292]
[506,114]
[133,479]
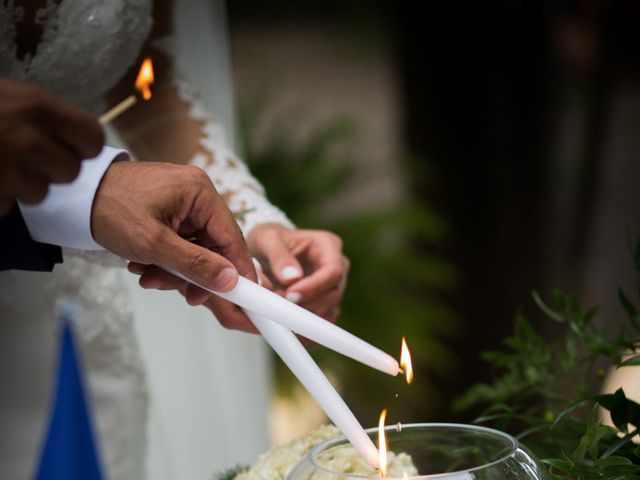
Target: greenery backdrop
[394,288]
[549,395]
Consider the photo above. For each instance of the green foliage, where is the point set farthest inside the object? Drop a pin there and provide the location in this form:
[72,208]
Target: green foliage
[395,288]
[548,394]
[230,473]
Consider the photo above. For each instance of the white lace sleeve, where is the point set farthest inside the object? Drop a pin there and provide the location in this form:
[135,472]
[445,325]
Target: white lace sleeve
[244,195]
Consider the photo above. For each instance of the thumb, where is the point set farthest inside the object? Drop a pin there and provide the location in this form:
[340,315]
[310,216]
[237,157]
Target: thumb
[197,263]
[283,264]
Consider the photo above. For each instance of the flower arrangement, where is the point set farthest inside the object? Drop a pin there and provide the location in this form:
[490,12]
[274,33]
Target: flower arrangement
[278,462]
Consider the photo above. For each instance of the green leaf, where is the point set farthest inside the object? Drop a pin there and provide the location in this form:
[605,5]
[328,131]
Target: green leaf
[623,411]
[566,412]
[543,306]
[628,305]
[618,410]
[621,442]
[580,452]
[630,362]
[560,298]
[598,433]
[230,473]
[617,467]
[564,465]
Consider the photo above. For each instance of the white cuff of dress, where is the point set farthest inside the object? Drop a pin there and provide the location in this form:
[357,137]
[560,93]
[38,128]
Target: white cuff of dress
[64,216]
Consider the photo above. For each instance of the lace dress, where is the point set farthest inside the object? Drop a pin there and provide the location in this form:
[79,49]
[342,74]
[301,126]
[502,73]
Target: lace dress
[86,47]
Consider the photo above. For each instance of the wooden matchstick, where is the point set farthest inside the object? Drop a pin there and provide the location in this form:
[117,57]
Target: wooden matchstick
[118,110]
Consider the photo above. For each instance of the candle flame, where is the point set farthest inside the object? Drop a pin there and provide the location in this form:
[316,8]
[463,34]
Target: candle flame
[145,79]
[382,444]
[405,361]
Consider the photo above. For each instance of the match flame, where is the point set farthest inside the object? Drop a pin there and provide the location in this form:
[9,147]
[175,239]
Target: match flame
[382,444]
[145,79]
[405,361]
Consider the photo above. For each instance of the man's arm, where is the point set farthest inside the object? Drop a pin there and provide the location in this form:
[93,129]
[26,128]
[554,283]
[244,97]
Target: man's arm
[33,234]
[43,140]
[64,217]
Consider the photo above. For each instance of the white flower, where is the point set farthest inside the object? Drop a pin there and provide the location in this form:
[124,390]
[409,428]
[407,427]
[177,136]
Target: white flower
[279,461]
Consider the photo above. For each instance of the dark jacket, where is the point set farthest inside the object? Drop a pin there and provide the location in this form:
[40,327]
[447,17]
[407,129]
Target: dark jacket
[18,251]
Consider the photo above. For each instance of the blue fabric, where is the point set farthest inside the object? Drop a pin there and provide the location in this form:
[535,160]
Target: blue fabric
[69,452]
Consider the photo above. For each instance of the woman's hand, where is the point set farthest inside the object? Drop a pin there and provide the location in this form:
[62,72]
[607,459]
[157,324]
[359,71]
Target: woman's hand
[305,266]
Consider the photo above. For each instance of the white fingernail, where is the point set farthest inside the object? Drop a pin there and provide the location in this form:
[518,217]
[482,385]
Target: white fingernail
[290,272]
[294,297]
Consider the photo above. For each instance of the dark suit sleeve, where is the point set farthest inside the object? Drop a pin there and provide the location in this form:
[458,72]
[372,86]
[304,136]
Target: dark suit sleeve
[18,251]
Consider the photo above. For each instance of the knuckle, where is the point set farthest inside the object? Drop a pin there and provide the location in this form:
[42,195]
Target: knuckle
[346,264]
[334,239]
[34,192]
[335,297]
[91,145]
[95,140]
[149,239]
[155,235]
[196,174]
[270,234]
[335,273]
[89,140]
[228,324]
[34,102]
[197,264]
[72,170]
[41,192]
[28,141]
[66,171]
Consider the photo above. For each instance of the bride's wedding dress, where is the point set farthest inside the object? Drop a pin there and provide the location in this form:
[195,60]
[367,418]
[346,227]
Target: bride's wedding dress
[174,395]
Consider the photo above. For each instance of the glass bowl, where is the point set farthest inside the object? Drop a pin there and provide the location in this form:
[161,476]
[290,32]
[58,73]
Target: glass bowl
[443,451]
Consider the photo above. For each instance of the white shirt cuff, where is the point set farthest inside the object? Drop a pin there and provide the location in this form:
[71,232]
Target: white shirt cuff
[64,216]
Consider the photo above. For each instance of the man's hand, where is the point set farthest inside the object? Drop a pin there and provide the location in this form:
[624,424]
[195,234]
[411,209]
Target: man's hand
[42,140]
[306,266]
[164,215]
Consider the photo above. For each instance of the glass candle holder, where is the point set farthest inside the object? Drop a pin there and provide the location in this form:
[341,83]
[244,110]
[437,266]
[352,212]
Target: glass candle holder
[443,451]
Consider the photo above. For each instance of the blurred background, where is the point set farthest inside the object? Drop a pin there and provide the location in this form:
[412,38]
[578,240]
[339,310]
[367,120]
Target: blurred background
[466,153]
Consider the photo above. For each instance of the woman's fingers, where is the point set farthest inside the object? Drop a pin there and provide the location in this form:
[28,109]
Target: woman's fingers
[283,265]
[329,276]
[326,306]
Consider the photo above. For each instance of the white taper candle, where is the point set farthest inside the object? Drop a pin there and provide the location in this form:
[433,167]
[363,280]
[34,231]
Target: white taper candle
[296,357]
[254,298]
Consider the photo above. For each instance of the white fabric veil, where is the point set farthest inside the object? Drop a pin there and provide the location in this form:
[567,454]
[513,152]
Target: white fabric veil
[208,387]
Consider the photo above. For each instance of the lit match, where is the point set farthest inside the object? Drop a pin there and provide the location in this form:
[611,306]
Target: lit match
[143,85]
